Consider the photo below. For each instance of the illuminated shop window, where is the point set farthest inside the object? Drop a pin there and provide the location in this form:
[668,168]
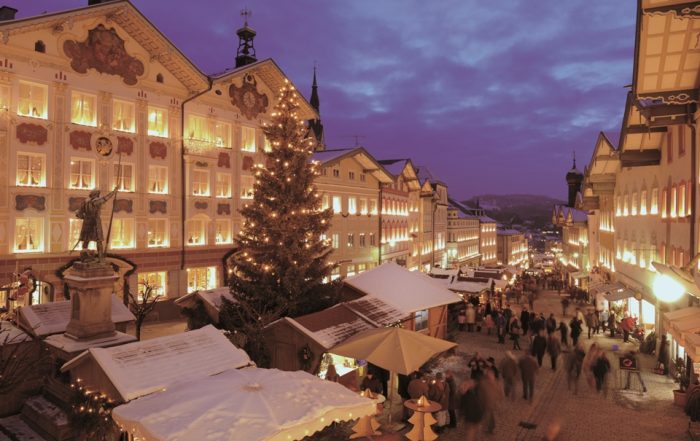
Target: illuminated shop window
[197,129]
[123,118]
[31,171]
[124,177]
[157,179]
[158,233]
[681,200]
[74,226]
[122,234]
[643,203]
[223,185]
[157,121]
[634,204]
[223,231]
[248,139]
[199,279]
[247,187]
[674,202]
[29,235]
[196,232]
[363,206]
[81,174]
[33,100]
[157,280]
[200,182]
[421,320]
[373,206]
[83,109]
[350,271]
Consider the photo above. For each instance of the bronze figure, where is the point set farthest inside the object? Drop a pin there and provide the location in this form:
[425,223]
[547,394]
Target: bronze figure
[91,229]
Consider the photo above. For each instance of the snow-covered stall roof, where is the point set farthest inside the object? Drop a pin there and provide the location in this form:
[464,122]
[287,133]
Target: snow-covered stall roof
[330,326]
[407,291]
[444,272]
[53,318]
[10,334]
[140,368]
[248,404]
[211,299]
[376,311]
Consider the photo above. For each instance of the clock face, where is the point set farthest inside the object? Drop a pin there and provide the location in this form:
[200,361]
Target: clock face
[249,99]
[103,146]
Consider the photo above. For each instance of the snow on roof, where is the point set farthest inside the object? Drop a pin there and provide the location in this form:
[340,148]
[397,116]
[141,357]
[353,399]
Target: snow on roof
[487,220]
[52,318]
[407,291]
[213,296]
[10,334]
[444,271]
[329,155]
[508,232]
[140,368]
[470,287]
[249,404]
[331,326]
[424,174]
[394,166]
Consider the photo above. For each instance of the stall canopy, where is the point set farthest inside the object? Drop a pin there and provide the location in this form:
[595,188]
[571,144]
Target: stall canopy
[679,314]
[619,293]
[140,368]
[681,327]
[250,404]
[605,288]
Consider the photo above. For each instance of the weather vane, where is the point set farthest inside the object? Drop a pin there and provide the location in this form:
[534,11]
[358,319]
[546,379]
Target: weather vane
[246,14]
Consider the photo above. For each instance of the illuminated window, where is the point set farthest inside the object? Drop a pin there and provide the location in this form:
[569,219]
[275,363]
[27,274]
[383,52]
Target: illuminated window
[223,231]
[267,146]
[248,139]
[625,206]
[4,98]
[157,122]
[221,136]
[158,233]
[123,116]
[351,240]
[157,179]
[30,170]
[337,204]
[681,200]
[199,279]
[83,109]
[32,100]
[123,177]
[196,232]
[223,185]
[122,234]
[29,234]
[74,226]
[247,187]
[156,280]
[335,240]
[197,128]
[372,240]
[421,320]
[689,198]
[643,203]
[373,206]
[674,202]
[200,182]
[362,240]
[634,204]
[363,206]
[324,202]
[335,273]
[664,203]
[352,205]
[654,201]
[81,174]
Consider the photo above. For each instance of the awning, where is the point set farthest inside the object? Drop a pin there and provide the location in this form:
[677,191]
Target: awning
[605,288]
[684,326]
[679,314]
[579,275]
[571,269]
[692,345]
[619,294]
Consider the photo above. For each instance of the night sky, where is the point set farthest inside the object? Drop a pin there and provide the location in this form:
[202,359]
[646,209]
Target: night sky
[492,97]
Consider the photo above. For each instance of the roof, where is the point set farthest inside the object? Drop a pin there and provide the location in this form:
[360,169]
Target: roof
[394,166]
[210,296]
[329,157]
[330,326]
[404,290]
[377,311]
[52,318]
[578,215]
[10,334]
[508,232]
[140,368]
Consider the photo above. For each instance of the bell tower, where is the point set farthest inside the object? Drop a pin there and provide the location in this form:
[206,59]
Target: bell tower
[574,178]
[246,50]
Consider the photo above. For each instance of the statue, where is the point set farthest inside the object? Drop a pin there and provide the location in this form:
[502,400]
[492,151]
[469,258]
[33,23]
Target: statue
[91,229]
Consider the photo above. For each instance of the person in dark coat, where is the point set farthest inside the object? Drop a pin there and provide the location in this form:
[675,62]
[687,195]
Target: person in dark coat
[476,365]
[576,330]
[564,333]
[573,363]
[470,407]
[501,328]
[554,349]
[601,367]
[662,358]
[454,402]
[528,369]
[611,324]
[551,324]
[539,347]
[533,323]
[372,383]
[509,371]
[525,320]
[418,386]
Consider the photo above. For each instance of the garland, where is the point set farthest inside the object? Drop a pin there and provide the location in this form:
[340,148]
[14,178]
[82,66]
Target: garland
[91,413]
[306,356]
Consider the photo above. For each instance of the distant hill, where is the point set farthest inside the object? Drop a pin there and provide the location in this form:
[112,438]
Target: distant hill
[514,209]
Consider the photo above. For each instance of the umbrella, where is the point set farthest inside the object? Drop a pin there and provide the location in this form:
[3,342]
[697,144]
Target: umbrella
[249,404]
[394,349]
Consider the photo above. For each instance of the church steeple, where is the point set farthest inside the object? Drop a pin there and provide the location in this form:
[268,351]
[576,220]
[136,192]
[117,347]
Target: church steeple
[574,178]
[315,125]
[246,50]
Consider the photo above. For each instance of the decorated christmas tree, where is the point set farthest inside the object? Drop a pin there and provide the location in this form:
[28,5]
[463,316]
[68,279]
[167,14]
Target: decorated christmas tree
[281,256]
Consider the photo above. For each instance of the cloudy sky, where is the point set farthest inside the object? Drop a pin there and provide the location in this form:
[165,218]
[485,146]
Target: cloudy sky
[493,97]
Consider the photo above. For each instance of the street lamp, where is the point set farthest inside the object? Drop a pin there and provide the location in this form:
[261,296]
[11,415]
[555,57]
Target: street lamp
[667,289]
[672,282]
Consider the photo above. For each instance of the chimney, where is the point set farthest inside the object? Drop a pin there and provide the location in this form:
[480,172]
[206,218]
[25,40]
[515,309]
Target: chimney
[7,13]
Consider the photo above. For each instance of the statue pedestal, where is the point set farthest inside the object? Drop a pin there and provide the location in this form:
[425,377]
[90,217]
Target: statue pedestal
[91,286]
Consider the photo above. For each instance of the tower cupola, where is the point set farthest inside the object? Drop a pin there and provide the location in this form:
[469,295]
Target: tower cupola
[246,50]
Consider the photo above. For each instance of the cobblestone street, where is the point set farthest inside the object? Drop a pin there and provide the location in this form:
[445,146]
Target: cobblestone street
[586,416]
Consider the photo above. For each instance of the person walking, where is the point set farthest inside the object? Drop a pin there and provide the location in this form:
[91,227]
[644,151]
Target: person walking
[528,369]
[525,320]
[453,401]
[573,363]
[501,328]
[589,322]
[439,392]
[551,324]
[554,349]
[627,324]
[539,347]
[489,392]
[604,316]
[662,358]
[600,370]
[576,330]
[471,317]
[588,363]
[514,329]
[461,320]
[476,365]
[564,305]
[564,334]
[509,371]
[612,324]
[470,408]
[488,323]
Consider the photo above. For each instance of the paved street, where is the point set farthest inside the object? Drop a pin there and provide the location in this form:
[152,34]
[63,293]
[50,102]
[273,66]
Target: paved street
[587,416]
